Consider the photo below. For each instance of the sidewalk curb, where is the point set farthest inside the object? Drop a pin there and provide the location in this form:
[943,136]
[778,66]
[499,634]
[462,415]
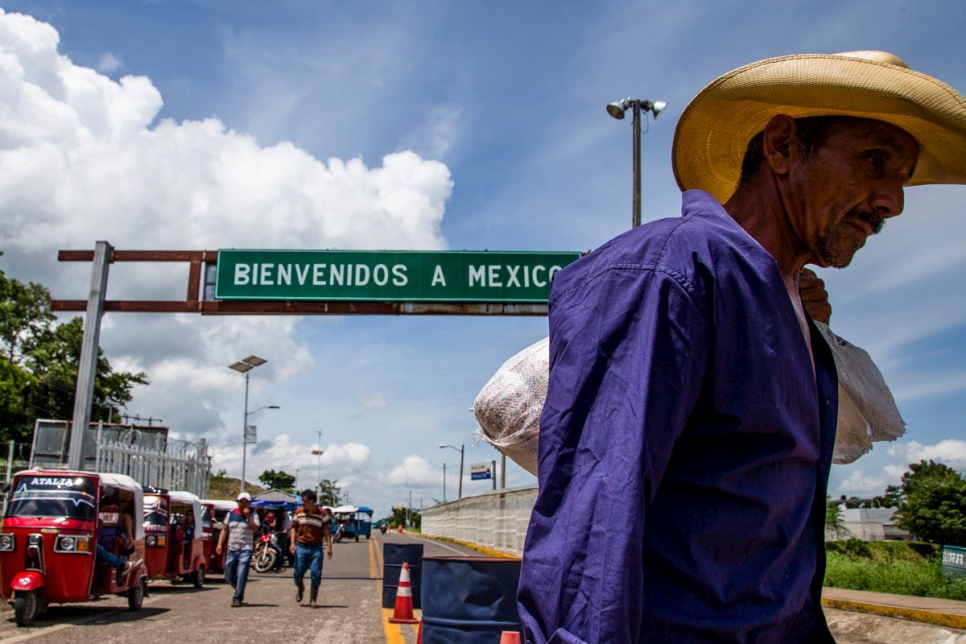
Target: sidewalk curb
[949,620]
[473,546]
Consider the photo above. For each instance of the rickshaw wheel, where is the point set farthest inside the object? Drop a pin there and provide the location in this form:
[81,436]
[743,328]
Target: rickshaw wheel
[25,607]
[198,577]
[135,596]
[357,538]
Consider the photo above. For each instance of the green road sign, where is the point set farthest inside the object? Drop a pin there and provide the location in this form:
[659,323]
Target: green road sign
[387,276]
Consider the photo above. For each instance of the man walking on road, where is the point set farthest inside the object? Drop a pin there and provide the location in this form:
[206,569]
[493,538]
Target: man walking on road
[311,527]
[241,525]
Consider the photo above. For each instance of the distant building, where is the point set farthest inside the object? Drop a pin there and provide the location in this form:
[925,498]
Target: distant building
[868,524]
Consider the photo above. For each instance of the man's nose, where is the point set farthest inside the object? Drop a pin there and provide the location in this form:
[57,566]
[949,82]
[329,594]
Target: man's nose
[888,198]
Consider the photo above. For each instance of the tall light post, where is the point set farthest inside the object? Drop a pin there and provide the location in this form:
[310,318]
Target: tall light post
[318,452]
[244,366]
[616,110]
[460,450]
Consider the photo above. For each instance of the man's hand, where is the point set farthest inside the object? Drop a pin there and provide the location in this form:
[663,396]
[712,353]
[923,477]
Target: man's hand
[814,296]
[218,550]
[329,552]
[247,511]
[291,548]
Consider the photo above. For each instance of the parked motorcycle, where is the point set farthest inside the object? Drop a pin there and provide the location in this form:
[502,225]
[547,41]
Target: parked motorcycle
[266,553]
[340,533]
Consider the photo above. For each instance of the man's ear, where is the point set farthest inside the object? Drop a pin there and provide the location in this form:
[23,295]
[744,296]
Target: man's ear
[781,145]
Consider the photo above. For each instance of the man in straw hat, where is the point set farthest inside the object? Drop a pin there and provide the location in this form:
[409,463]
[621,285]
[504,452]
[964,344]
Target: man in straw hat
[689,424]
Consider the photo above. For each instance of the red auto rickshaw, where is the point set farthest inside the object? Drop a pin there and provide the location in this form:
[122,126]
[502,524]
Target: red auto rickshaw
[207,516]
[174,542]
[54,521]
[220,510]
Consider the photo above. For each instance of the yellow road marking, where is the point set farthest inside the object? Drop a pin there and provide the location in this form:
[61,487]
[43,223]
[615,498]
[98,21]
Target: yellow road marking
[373,570]
[393,632]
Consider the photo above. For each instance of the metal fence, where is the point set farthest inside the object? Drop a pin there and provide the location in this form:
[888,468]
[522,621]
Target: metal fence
[145,454]
[161,462]
[496,520]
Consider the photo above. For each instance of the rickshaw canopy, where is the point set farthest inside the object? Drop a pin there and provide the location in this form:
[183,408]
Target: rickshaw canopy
[177,496]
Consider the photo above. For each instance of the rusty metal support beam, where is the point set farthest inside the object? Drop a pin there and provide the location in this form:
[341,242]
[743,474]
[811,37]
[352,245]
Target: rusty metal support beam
[220,307]
[141,255]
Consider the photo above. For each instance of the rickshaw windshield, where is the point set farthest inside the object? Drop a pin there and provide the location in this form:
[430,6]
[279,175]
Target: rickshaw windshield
[205,516]
[53,496]
[155,510]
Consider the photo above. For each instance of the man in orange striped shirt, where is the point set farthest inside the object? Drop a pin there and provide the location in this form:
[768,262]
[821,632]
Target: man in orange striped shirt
[311,527]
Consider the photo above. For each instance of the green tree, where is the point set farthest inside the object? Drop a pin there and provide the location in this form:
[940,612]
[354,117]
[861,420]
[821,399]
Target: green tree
[932,505]
[328,493]
[38,364]
[398,517]
[277,480]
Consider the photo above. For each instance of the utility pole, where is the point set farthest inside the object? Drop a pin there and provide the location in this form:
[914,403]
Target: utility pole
[87,367]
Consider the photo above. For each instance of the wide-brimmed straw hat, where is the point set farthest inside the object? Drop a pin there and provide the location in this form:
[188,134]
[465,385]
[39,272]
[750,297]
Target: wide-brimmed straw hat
[715,128]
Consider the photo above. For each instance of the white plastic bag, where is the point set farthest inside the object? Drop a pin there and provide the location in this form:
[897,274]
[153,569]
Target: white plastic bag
[509,406]
[867,410]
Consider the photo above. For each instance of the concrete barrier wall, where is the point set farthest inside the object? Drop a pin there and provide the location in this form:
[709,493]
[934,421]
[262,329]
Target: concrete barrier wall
[496,520]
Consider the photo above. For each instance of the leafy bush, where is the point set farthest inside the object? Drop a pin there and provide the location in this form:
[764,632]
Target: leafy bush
[890,567]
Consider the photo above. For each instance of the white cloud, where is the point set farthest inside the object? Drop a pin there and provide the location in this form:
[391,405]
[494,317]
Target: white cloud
[82,159]
[109,63]
[370,397]
[338,462]
[415,471]
[951,452]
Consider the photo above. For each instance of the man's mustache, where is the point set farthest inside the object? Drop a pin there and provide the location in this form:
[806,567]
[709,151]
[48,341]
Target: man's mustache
[875,220]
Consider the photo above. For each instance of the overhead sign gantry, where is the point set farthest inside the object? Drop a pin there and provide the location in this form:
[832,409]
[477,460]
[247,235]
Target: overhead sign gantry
[315,282]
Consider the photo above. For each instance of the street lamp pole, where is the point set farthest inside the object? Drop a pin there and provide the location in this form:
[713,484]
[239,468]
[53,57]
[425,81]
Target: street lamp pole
[245,366]
[444,482]
[617,110]
[460,450]
[318,452]
[245,434]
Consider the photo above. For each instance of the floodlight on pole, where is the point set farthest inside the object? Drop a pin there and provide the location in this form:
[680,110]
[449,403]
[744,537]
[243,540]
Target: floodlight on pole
[617,110]
[244,366]
[459,449]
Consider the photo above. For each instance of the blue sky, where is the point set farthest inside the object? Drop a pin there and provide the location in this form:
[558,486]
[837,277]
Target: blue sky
[494,112]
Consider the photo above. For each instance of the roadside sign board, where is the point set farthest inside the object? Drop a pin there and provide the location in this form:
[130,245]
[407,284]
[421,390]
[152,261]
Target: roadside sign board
[388,276]
[251,434]
[480,471]
[954,560]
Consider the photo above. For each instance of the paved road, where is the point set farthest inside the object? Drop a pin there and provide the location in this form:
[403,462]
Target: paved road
[349,608]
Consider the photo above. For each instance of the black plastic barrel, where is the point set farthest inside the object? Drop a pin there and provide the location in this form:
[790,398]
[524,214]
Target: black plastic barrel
[393,557]
[469,600]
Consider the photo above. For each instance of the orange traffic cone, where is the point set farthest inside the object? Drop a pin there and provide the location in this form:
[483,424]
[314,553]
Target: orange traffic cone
[419,634]
[400,528]
[510,637]
[403,612]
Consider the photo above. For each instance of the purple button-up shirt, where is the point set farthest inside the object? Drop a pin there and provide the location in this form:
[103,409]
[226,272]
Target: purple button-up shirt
[685,446]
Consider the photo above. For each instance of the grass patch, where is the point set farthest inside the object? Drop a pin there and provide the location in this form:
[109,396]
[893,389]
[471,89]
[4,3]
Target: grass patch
[893,567]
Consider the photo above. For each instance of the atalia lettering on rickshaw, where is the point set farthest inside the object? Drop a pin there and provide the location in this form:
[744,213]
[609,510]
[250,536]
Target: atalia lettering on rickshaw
[49,481]
[388,276]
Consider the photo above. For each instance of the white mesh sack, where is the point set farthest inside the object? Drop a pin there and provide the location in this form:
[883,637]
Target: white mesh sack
[509,406]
